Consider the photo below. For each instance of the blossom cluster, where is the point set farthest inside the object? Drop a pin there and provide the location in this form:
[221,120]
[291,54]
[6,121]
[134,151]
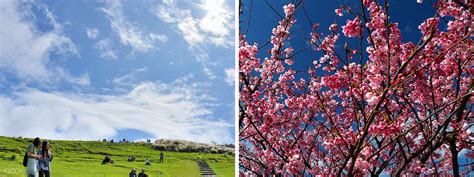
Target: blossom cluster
[401,108]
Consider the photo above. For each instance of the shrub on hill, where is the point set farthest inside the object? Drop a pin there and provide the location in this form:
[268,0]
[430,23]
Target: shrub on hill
[189,146]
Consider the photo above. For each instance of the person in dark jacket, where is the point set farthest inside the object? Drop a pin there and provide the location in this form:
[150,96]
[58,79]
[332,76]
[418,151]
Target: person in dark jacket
[142,174]
[133,173]
[161,157]
[107,160]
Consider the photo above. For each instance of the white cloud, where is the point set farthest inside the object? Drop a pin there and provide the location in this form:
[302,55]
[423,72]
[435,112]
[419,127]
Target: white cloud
[230,74]
[83,80]
[188,27]
[92,33]
[202,57]
[164,110]
[217,19]
[209,73]
[24,49]
[215,27]
[128,33]
[158,37]
[105,47]
[168,12]
[129,77]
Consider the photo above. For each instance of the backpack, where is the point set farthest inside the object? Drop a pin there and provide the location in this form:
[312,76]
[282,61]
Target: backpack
[25,160]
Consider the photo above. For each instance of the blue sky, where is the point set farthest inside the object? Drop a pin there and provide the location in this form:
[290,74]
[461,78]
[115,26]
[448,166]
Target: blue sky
[117,69]
[408,14]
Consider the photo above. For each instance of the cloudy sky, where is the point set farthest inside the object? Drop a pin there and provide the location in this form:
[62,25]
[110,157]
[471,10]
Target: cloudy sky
[117,69]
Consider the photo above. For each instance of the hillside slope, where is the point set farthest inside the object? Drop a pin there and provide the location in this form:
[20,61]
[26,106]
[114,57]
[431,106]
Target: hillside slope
[83,158]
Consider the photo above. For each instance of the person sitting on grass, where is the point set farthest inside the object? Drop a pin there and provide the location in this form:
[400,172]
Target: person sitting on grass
[133,173]
[107,160]
[131,158]
[161,156]
[142,174]
[147,162]
[33,157]
[44,162]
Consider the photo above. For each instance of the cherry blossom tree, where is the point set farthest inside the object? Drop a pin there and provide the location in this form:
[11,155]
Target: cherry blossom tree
[383,107]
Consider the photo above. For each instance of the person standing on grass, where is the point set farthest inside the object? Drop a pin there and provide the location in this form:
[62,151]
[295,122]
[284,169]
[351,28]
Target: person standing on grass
[32,164]
[133,173]
[142,174]
[161,156]
[44,162]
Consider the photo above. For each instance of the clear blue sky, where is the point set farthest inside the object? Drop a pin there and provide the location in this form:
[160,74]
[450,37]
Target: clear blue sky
[117,69]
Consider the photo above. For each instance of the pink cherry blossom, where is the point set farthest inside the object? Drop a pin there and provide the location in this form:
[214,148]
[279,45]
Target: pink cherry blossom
[289,9]
[352,28]
[403,109]
[366,2]
[339,12]
[333,27]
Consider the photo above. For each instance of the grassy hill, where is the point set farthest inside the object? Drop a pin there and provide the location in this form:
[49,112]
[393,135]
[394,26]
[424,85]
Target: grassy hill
[83,158]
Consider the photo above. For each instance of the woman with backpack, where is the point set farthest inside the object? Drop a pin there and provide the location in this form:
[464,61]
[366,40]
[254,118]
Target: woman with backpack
[31,158]
[44,162]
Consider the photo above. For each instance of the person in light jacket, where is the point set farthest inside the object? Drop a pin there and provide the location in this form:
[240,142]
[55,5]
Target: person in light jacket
[33,157]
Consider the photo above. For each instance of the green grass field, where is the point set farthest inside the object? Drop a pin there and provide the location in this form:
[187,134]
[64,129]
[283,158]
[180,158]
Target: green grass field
[83,159]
